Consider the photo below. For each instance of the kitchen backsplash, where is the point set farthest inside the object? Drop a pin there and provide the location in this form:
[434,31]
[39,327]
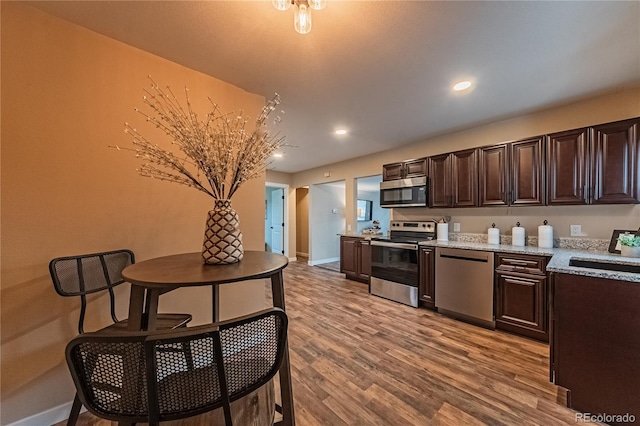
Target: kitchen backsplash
[597,221]
[567,243]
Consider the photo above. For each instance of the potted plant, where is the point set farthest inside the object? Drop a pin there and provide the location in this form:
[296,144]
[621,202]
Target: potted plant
[629,245]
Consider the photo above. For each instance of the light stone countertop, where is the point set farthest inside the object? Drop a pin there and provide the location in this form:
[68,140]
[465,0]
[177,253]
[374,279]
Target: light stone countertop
[365,236]
[559,258]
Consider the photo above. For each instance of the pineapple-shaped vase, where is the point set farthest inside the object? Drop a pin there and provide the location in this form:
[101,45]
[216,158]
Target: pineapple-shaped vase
[222,237]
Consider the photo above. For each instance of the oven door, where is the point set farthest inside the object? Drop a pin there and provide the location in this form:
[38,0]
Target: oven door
[395,262]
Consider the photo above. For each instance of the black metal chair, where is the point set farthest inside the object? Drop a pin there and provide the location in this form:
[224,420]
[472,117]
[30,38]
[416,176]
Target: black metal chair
[79,276]
[130,378]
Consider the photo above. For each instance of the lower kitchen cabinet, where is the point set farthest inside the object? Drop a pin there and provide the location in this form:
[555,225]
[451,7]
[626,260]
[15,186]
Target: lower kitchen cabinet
[595,343]
[355,258]
[427,281]
[521,295]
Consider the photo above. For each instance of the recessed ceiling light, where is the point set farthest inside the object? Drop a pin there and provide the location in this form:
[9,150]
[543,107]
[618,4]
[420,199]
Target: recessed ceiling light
[277,155]
[341,132]
[461,85]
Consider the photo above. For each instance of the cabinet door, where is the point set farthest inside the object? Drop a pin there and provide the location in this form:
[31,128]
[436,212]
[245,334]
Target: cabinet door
[464,178]
[567,167]
[521,304]
[494,175]
[527,172]
[392,171]
[349,255]
[364,270]
[440,181]
[415,168]
[427,282]
[614,163]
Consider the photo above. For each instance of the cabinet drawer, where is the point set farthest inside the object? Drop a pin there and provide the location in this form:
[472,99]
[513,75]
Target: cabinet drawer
[521,263]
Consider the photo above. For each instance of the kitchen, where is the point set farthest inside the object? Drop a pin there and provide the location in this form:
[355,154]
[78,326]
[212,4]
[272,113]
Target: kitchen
[544,288]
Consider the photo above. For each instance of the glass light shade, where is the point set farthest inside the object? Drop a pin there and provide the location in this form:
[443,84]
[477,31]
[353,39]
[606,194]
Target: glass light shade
[281,4]
[317,4]
[302,19]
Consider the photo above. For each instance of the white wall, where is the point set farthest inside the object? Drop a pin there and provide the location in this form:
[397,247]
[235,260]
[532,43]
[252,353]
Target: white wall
[324,225]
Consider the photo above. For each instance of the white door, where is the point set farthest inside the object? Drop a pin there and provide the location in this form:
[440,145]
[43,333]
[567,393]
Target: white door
[277,221]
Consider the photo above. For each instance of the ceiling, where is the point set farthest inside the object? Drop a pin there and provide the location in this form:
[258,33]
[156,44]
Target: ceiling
[384,69]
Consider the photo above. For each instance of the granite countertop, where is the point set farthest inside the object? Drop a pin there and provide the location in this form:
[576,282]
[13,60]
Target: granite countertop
[360,235]
[559,258]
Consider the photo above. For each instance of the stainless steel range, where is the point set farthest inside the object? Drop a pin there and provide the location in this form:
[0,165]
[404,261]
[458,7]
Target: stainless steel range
[394,261]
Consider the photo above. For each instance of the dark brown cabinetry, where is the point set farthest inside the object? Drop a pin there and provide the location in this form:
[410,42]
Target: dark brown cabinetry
[595,343]
[595,165]
[355,258]
[615,160]
[454,179]
[512,173]
[404,170]
[427,281]
[521,295]
[567,157]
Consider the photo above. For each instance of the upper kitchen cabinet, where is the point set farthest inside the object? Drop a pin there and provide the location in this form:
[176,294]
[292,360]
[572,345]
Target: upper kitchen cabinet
[512,173]
[454,179]
[567,157]
[405,169]
[615,158]
[595,165]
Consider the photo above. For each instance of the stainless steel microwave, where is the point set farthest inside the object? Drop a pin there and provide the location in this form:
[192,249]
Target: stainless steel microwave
[404,193]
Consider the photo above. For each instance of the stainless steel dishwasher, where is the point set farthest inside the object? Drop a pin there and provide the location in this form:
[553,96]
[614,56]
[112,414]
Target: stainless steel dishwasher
[464,285]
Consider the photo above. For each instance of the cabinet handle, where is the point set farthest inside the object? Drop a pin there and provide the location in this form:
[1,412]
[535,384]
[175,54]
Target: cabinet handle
[521,280]
[520,262]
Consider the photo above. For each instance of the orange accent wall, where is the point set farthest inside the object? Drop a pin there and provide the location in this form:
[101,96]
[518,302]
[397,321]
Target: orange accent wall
[66,93]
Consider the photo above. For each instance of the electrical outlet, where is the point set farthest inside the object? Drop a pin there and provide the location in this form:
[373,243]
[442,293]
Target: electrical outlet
[576,230]
[349,228]
[456,227]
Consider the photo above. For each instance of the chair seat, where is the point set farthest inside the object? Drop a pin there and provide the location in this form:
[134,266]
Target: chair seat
[164,322]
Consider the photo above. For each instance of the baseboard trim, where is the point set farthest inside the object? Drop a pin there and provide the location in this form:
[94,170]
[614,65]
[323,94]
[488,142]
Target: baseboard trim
[293,259]
[301,254]
[48,417]
[321,261]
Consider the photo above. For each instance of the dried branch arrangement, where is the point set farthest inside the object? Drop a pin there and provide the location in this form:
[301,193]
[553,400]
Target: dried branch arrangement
[218,154]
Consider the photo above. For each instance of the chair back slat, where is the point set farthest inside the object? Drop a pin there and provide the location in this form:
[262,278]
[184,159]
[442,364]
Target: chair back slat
[89,273]
[148,381]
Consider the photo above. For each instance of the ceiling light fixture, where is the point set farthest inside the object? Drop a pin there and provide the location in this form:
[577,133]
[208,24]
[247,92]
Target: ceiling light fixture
[462,85]
[302,14]
[277,155]
[341,132]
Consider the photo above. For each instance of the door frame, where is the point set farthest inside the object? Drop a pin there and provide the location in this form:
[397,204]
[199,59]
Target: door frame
[285,217]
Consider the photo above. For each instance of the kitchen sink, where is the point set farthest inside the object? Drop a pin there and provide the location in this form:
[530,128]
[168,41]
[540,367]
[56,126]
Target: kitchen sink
[594,264]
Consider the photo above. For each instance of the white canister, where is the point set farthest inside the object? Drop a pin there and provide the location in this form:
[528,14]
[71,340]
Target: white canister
[545,236]
[493,235]
[442,231]
[517,235]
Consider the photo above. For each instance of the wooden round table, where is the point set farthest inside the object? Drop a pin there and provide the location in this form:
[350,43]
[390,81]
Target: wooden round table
[151,278]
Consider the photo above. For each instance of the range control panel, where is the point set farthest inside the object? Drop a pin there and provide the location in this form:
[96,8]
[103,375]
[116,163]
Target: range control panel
[414,226]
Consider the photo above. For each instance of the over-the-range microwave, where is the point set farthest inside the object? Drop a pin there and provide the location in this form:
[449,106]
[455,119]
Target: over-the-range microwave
[411,192]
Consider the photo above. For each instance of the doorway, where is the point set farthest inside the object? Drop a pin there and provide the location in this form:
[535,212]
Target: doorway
[274,217]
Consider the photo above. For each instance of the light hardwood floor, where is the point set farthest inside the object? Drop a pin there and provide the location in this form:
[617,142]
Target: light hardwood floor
[362,360]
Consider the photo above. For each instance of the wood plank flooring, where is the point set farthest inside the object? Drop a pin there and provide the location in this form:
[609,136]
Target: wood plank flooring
[359,359]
